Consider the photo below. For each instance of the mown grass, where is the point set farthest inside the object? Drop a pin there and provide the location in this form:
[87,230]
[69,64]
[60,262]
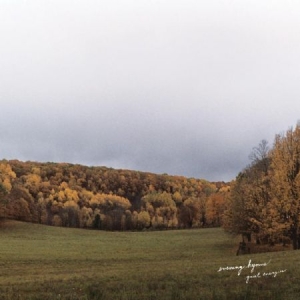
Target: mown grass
[41,262]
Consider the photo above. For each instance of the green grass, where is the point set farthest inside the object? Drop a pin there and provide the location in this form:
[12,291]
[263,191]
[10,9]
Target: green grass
[41,262]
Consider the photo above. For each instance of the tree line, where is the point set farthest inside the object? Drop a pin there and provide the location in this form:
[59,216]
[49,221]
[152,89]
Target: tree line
[264,202]
[62,194]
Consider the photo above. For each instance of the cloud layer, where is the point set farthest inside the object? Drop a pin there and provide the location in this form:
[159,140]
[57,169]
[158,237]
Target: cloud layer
[178,87]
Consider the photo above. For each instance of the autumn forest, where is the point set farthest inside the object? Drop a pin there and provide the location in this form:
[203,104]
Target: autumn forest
[261,204]
[103,198]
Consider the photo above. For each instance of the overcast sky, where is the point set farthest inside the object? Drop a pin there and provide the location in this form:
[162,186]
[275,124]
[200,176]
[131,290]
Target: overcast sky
[180,87]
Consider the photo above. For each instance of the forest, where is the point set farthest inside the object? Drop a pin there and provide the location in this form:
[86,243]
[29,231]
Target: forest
[261,204]
[264,202]
[69,195]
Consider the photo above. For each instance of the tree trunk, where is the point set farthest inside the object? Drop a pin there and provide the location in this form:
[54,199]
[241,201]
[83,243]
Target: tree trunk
[295,237]
[295,244]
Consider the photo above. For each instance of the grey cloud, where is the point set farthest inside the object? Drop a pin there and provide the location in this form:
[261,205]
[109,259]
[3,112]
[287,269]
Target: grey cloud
[178,87]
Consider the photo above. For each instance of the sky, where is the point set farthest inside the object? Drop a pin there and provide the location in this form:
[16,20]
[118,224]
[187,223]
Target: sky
[183,87]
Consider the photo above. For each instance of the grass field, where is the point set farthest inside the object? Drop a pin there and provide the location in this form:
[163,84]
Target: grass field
[41,262]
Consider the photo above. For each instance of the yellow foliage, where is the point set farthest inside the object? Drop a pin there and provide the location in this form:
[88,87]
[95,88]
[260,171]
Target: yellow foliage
[6,176]
[61,196]
[70,203]
[144,219]
[63,185]
[33,180]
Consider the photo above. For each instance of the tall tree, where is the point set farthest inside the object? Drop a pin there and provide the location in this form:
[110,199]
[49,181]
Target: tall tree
[286,183]
[250,194]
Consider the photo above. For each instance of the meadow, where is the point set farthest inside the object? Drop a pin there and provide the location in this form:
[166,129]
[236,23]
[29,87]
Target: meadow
[44,262]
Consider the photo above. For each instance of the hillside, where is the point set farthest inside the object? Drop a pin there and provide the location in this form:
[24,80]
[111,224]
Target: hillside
[44,262]
[62,194]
